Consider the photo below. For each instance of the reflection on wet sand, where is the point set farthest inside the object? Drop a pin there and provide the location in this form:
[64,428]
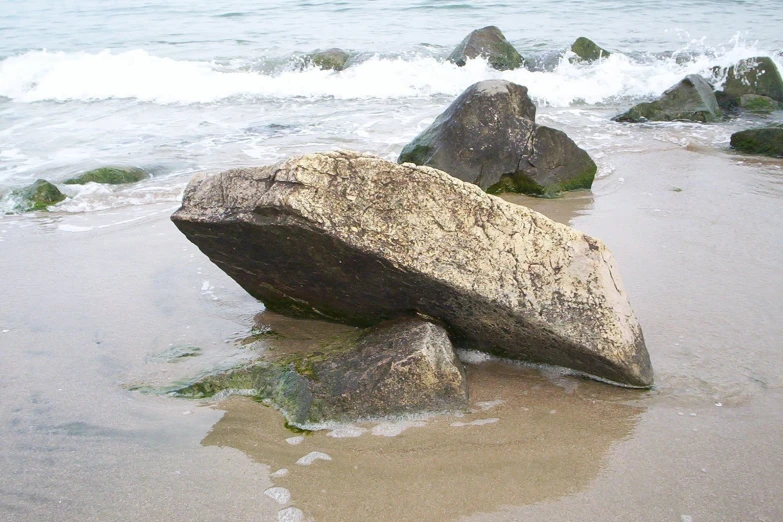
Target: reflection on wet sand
[547,438]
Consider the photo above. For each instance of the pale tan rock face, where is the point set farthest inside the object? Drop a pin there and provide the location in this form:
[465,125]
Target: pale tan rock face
[358,239]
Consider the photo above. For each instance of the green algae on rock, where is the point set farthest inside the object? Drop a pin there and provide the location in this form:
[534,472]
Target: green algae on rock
[757,75]
[109,176]
[692,99]
[406,366]
[488,43]
[331,59]
[38,196]
[767,141]
[587,50]
[758,103]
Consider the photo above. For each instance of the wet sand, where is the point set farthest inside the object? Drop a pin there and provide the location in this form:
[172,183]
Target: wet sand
[88,300]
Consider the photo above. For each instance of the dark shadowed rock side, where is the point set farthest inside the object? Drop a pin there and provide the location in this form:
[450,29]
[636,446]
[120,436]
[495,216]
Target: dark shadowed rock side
[356,239]
[587,50]
[767,141]
[692,99]
[398,367]
[331,59]
[757,75]
[488,137]
[37,196]
[487,43]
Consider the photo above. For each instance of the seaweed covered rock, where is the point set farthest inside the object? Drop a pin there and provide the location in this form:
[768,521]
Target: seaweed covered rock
[587,50]
[109,176]
[757,103]
[37,196]
[399,367]
[692,99]
[767,141]
[757,75]
[332,59]
[488,43]
[488,136]
[355,239]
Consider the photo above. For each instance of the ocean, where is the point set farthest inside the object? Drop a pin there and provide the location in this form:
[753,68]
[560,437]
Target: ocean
[100,289]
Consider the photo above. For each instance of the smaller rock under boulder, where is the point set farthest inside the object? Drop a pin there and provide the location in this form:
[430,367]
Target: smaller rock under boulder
[330,60]
[488,137]
[756,103]
[109,176]
[587,50]
[752,76]
[488,43]
[398,367]
[38,196]
[692,100]
[767,141]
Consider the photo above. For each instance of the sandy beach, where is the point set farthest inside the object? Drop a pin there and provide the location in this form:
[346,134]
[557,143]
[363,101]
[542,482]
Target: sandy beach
[89,300]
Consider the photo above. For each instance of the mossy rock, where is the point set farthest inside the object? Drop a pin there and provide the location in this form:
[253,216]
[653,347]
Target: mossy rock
[488,43]
[757,75]
[38,196]
[332,59]
[109,176]
[767,141]
[692,99]
[587,50]
[757,103]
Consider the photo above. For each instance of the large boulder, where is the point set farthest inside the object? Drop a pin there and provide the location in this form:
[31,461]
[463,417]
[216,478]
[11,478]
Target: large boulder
[488,136]
[356,239]
[587,50]
[692,99]
[767,141]
[398,367]
[757,75]
[330,59]
[488,43]
[109,176]
[38,196]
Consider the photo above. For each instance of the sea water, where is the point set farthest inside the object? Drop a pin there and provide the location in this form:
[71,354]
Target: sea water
[181,86]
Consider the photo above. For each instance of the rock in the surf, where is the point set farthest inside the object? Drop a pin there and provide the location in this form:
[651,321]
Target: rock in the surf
[757,75]
[356,239]
[767,141]
[488,137]
[398,367]
[692,99]
[757,103]
[109,176]
[38,196]
[490,44]
[331,59]
[587,50]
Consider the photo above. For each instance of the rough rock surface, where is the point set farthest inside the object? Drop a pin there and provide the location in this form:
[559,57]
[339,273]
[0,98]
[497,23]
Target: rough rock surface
[488,136]
[487,43]
[37,196]
[757,103]
[331,59]
[691,99]
[752,76]
[398,367]
[767,141]
[109,176]
[587,50]
[357,239]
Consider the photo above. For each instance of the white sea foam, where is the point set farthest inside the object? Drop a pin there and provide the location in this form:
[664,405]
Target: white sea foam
[345,432]
[477,422]
[295,441]
[279,495]
[312,457]
[291,514]
[392,429]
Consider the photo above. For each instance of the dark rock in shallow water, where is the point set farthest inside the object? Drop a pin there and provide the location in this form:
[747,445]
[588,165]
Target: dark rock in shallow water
[752,76]
[109,176]
[487,43]
[587,50]
[331,59]
[488,137]
[37,196]
[692,99]
[356,239]
[767,141]
[398,367]
[756,103]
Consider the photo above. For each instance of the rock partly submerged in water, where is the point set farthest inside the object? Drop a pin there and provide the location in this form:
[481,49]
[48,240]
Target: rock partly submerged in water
[692,99]
[110,176]
[356,239]
[490,44]
[757,75]
[399,367]
[38,196]
[587,50]
[767,141]
[330,60]
[488,137]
